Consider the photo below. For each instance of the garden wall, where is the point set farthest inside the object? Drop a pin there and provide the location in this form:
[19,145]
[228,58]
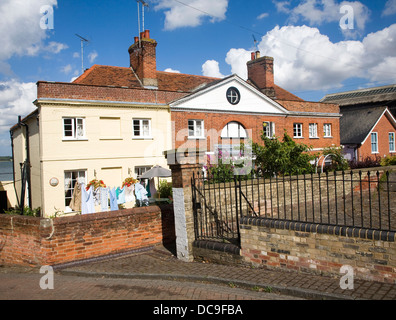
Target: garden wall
[33,241]
[319,249]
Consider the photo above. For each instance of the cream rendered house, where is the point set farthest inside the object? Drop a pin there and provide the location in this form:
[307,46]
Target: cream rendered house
[79,141]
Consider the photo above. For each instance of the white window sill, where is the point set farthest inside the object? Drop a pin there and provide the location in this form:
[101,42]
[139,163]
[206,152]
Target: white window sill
[374,152]
[81,139]
[328,137]
[142,138]
[298,137]
[196,138]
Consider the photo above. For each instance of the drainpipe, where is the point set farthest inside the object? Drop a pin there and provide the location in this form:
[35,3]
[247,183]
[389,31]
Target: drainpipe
[26,168]
[13,164]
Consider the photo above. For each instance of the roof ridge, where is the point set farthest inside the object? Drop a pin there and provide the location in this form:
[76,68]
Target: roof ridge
[187,74]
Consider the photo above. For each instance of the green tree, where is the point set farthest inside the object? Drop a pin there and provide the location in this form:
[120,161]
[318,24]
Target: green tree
[283,157]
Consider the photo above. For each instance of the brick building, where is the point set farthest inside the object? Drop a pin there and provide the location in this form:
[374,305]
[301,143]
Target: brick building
[368,132]
[367,126]
[232,108]
[116,122]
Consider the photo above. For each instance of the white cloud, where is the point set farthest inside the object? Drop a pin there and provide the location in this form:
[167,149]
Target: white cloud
[211,69]
[390,8]
[307,60]
[55,47]
[192,13]
[20,30]
[171,70]
[92,56]
[237,59]
[67,69]
[263,15]
[318,12]
[16,99]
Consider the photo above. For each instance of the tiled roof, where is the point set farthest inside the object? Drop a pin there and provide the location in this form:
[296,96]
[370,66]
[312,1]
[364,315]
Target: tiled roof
[282,94]
[124,77]
[370,95]
[108,76]
[167,81]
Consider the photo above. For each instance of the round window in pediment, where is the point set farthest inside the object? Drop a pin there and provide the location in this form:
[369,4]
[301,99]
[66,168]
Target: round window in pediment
[233,96]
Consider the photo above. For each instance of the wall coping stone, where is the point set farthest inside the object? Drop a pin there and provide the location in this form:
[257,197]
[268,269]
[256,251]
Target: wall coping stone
[354,232]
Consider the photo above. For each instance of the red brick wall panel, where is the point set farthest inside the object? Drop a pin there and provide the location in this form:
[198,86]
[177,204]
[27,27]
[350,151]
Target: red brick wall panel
[215,122]
[34,241]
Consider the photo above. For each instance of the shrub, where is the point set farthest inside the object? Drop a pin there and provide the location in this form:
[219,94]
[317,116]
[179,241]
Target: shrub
[338,162]
[165,189]
[219,169]
[26,211]
[367,162]
[388,161]
[283,157]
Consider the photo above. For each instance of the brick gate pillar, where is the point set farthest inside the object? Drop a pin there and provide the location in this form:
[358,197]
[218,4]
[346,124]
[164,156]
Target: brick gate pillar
[183,165]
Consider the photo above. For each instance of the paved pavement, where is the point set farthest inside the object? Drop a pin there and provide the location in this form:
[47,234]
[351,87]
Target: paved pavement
[156,274]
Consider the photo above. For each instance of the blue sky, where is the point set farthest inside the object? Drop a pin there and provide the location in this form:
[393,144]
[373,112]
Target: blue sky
[313,54]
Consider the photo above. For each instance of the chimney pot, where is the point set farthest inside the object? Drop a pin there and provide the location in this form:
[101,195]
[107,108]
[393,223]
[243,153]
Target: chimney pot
[258,54]
[136,39]
[147,34]
[253,56]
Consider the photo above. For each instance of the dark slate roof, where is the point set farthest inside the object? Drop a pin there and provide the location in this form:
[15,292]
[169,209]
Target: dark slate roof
[363,96]
[356,123]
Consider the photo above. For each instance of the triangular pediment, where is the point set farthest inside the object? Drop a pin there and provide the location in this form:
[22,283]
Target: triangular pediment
[220,97]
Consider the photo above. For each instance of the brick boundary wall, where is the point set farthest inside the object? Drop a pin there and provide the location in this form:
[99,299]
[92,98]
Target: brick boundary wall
[319,249]
[33,241]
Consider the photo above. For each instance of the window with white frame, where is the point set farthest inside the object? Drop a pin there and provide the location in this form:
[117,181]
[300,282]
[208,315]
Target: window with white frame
[313,130]
[391,142]
[142,128]
[71,178]
[195,128]
[140,170]
[327,130]
[297,130]
[269,129]
[73,128]
[374,142]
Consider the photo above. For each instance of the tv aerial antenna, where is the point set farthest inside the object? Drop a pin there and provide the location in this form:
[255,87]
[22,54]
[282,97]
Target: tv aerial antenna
[144,5]
[83,41]
[255,42]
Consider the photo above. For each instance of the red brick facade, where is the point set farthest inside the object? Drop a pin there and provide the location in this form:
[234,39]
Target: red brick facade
[382,128]
[72,91]
[215,122]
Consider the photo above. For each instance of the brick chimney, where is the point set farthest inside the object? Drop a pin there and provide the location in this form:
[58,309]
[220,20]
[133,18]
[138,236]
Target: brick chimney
[143,59]
[261,73]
